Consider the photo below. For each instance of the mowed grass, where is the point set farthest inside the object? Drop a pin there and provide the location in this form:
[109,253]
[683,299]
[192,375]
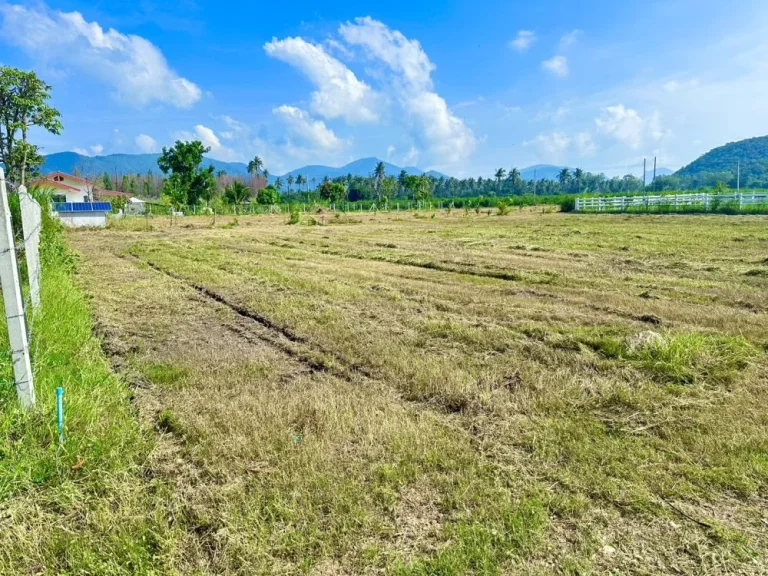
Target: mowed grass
[450,395]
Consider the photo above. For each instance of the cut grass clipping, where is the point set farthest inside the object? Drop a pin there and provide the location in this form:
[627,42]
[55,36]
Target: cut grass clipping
[680,358]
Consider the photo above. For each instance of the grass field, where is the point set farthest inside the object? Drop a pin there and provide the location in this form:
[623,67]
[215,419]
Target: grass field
[463,393]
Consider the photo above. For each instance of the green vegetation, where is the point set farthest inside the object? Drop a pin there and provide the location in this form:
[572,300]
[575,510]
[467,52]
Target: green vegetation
[720,165]
[525,393]
[23,106]
[187,184]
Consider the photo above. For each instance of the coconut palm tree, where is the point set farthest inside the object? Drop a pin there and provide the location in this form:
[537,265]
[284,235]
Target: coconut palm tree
[265,173]
[290,182]
[255,165]
[314,181]
[578,177]
[515,179]
[402,179]
[279,184]
[500,173]
[564,177]
[379,172]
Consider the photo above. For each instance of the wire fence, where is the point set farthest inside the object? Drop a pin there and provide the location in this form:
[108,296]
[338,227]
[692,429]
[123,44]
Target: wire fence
[20,227]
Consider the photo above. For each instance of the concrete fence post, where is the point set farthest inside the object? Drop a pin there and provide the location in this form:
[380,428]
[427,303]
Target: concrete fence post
[14,307]
[576,205]
[31,222]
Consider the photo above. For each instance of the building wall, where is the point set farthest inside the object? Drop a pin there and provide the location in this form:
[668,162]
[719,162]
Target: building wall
[83,219]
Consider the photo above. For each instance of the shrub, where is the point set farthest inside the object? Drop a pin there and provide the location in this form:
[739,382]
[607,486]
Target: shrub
[503,208]
[295,214]
[568,205]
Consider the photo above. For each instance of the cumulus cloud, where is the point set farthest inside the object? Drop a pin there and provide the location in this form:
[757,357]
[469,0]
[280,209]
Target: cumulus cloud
[210,139]
[311,132]
[627,126]
[443,133]
[339,94]
[557,65]
[94,150]
[556,145]
[134,67]
[146,143]
[523,41]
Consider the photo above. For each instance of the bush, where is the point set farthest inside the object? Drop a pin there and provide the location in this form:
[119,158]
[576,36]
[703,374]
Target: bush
[295,216]
[568,205]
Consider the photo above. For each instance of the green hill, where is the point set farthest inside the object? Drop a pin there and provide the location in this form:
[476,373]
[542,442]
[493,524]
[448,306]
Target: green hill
[720,165]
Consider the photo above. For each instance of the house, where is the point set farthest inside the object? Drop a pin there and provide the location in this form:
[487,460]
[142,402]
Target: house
[78,202]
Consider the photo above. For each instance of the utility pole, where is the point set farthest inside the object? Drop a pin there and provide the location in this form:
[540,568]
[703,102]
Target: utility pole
[14,305]
[534,185]
[738,176]
[654,173]
[643,174]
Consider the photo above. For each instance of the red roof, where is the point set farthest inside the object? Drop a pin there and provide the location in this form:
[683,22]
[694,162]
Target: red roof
[49,181]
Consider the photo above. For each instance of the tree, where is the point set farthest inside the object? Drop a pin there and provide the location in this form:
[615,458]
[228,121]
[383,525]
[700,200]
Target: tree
[379,172]
[187,184]
[500,173]
[290,182]
[268,195]
[332,191]
[402,179]
[564,177]
[279,184]
[314,181]
[106,181]
[419,186]
[221,173]
[578,178]
[255,165]
[236,193]
[23,104]
[266,175]
[515,179]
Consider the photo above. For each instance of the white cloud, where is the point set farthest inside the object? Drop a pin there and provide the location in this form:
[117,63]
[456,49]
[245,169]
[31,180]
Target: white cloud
[627,126]
[94,150]
[146,143]
[390,150]
[553,145]
[312,132]
[569,39]
[209,139]
[443,133]
[524,40]
[557,65]
[339,93]
[134,67]
[557,145]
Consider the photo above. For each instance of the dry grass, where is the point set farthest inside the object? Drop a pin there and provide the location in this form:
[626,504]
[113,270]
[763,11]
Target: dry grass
[446,395]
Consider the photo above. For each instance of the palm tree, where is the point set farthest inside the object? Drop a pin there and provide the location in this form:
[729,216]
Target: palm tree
[279,184]
[221,173]
[500,173]
[290,181]
[514,177]
[314,180]
[236,193]
[266,175]
[578,176]
[564,177]
[255,165]
[402,179]
[379,172]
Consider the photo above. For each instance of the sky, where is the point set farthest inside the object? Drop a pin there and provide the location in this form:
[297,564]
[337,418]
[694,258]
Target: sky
[456,86]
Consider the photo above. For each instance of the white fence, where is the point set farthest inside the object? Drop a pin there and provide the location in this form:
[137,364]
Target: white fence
[670,202]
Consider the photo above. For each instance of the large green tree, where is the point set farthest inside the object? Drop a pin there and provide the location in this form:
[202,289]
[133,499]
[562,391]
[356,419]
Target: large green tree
[500,173]
[188,183]
[332,191]
[23,104]
[236,193]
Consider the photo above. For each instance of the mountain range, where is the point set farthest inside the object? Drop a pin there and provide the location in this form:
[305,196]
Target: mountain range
[68,162]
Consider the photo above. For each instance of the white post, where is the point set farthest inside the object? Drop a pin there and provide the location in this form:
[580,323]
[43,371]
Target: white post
[14,308]
[576,207]
[31,222]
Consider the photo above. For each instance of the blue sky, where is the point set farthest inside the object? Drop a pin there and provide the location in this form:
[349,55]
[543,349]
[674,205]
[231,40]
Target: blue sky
[461,87]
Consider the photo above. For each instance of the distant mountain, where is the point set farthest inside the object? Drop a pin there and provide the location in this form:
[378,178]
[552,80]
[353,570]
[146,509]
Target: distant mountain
[751,154]
[122,164]
[659,172]
[142,163]
[541,171]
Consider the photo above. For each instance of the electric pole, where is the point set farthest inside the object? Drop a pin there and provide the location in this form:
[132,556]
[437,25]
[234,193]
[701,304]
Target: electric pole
[643,174]
[738,176]
[654,173]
